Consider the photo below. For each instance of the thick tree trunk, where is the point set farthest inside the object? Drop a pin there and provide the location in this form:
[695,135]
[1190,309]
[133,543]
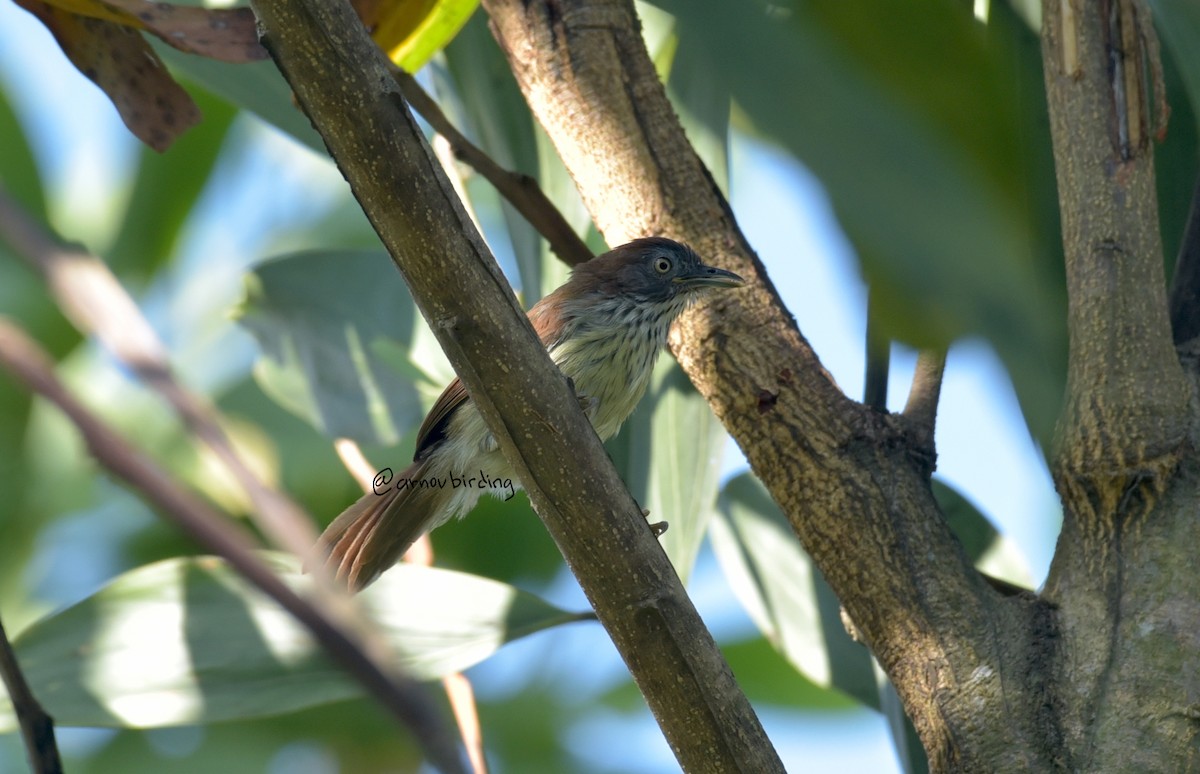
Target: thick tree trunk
[1129,615]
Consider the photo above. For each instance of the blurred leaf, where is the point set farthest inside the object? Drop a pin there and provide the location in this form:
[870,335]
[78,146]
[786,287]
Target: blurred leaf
[19,174]
[165,192]
[559,187]
[350,736]
[227,34]
[909,750]
[784,593]
[909,117]
[412,31]
[669,455]
[762,674]
[258,87]
[700,93]
[1178,21]
[767,678]
[1176,160]
[987,549]
[492,112]
[118,60]
[501,539]
[188,641]
[334,327]
[973,529]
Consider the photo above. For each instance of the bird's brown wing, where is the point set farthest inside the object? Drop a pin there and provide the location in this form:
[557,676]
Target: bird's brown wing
[437,422]
[547,322]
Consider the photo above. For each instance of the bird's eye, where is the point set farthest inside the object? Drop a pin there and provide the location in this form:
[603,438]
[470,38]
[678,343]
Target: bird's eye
[662,265]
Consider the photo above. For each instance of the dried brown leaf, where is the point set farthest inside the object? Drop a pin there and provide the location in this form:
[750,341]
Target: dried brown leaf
[120,61]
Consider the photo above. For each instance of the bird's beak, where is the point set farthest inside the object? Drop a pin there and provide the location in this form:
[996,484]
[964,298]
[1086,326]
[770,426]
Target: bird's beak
[709,277]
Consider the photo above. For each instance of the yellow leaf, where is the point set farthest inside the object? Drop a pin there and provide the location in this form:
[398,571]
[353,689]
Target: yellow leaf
[412,31]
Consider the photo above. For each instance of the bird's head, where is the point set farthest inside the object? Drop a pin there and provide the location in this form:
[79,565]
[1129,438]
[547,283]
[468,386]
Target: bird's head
[651,271]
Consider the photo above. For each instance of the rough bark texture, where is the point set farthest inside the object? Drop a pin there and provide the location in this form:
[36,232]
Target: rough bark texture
[971,666]
[343,83]
[1125,467]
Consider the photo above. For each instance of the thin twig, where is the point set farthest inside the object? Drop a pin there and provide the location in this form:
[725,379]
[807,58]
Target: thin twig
[1185,283]
[521,191]
[94,300]
[404,698]
[37,727]
[921,408]
[879,350]
[457,686]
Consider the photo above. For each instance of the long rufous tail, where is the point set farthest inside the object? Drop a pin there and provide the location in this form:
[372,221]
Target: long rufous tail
[373,533]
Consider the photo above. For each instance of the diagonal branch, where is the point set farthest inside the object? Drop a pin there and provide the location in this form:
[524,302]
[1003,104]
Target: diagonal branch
[844,475]
[405,699]
[343,83]
[37,728]
[521,191]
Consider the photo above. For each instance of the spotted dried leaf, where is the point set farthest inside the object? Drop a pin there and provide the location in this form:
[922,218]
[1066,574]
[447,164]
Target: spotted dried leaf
[120,61]
[225,34]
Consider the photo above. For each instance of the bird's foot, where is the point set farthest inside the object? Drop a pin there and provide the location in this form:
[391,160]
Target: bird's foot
[658,527]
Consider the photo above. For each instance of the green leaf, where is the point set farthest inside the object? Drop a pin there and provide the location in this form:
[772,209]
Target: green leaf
[494,115]
[909,750]
[784,593]
[1177,157]
[700,93]
[1178,22]
[988,550]
[166,190]
[909,115]
[19,174]
[669,455]
[256,86]
[188,641]
[339,335]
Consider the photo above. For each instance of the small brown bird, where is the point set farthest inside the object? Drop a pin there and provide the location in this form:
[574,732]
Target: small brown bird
[604,329]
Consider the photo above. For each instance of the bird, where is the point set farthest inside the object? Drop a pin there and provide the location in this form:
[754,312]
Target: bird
[603,328]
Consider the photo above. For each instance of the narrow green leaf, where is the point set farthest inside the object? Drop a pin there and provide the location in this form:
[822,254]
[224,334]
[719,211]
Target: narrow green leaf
[166,190]
[784,593]
[990,551]
[669,455]
[18,169]
[909,750]
[497,119]
[187,641]
[1178,21]
[700,93]
[340,336]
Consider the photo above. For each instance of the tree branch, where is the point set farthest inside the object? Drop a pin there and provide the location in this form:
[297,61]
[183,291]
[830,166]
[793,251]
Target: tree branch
[843,474]
[1185,283]
[879,355]
[1126,410]
[521,191]
[342,81]
[37,728]
[922,405]
[405,699]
